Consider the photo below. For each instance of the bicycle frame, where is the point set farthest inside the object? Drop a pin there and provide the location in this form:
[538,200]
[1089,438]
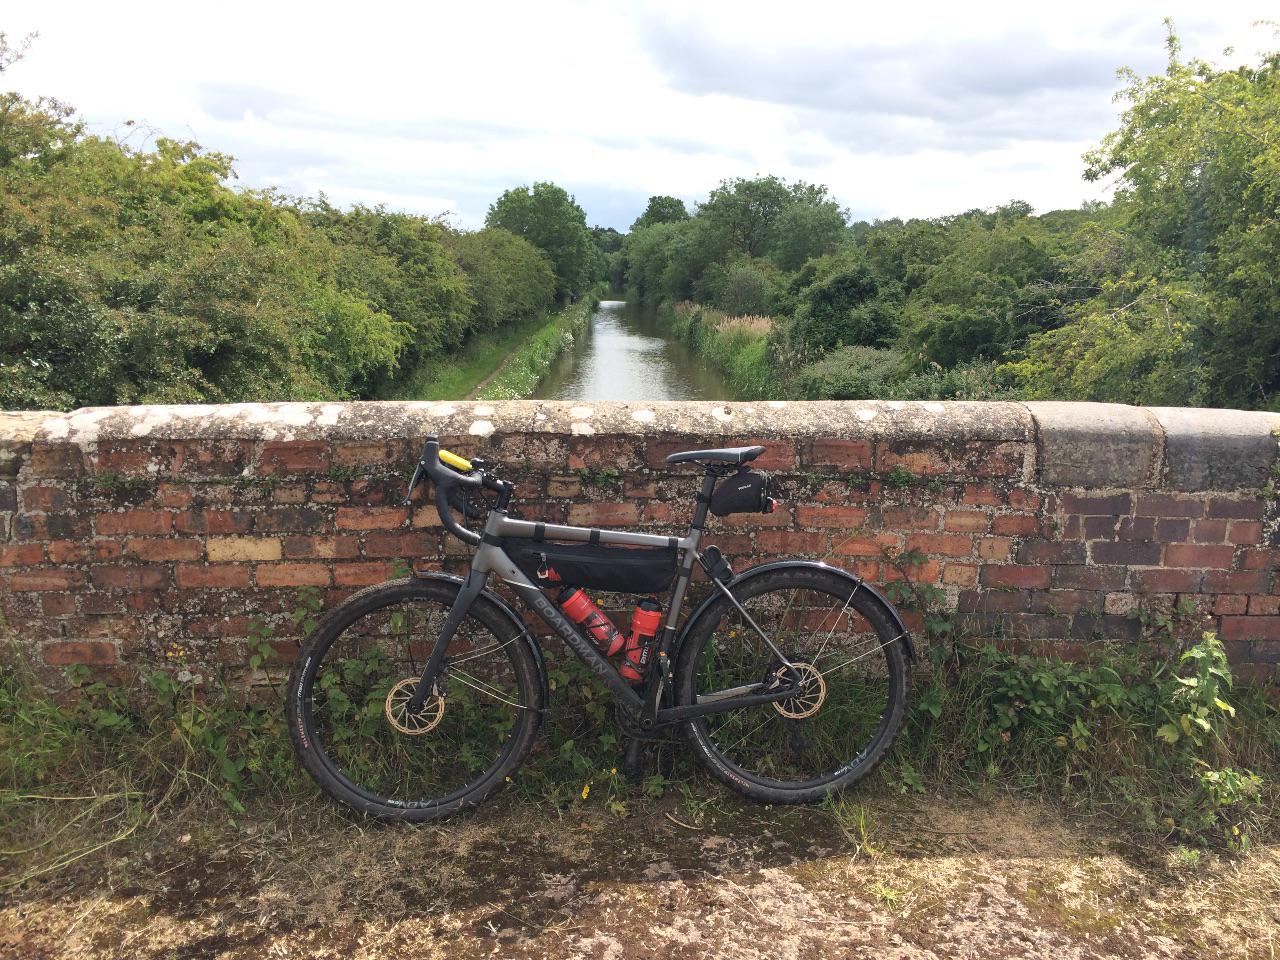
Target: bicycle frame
[643,705]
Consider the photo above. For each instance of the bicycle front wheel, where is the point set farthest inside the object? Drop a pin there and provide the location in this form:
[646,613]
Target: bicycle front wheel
[851,692]
[348,695]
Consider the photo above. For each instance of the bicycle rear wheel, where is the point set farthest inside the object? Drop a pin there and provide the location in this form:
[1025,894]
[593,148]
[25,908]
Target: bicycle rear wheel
[850,703]
[353,677]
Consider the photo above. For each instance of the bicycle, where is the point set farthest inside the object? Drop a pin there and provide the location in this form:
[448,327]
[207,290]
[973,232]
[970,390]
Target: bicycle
[420,697]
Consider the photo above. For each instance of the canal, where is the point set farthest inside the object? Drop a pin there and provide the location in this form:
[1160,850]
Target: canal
[624,355]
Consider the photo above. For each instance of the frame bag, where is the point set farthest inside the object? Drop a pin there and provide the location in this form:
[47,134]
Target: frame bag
[616,569]
[746,491]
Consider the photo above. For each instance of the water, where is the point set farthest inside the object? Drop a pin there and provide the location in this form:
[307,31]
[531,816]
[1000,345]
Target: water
[624,356]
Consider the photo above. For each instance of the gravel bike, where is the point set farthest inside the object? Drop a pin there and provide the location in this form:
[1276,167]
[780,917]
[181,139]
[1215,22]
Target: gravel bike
[420,697]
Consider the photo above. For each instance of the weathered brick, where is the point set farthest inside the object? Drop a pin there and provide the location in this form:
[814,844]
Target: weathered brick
[321,548]
[967,521]
[1227,604]
[942,544]
[371,518]
[1167,505]
[911,518]
[1079,577]
[362,574]
[1157,580]
[212,576]
[290,520]
[398,545]
[56,460]
[244,548]
[213,520]
[994,548]
[865,545]
[1245,532]
[1015,525]
[293,456]
[134,521]
[1234,581]
[842,454]
[69,652]
[830,516]
[1129,552]
[130,578]
[1258,606]
[22,555]
[84,551]
[1248,628]
[49,578]
[786,542]
[1050,551]
[603,514]
[1013,575]
[960,574]
[1116,504]
[978,495]
[160,549]
[292,575]
[45,499]
[1199,555]
[1232,509]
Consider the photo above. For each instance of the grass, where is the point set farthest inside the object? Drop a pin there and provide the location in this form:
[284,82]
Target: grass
[739,346]
[528,363]
[455,376]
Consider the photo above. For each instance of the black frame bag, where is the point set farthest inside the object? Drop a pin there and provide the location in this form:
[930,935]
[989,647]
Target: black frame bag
[615,569]
[746,491]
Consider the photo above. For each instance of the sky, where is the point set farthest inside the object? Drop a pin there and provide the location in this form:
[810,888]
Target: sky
[908,109]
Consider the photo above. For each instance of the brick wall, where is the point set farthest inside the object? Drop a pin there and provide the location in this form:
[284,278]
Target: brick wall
[159,534]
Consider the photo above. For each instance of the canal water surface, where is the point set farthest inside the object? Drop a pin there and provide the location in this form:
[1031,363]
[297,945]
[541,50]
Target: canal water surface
[624,355]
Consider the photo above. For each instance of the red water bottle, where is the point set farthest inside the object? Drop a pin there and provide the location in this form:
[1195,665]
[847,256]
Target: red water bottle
[645,622]
[575,602]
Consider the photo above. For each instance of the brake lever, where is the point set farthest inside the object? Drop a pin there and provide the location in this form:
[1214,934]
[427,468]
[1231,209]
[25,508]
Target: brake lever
[413,483]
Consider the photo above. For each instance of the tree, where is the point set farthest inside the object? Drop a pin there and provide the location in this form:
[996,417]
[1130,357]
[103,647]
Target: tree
[748,213]
[661,210]
[508,277]
[805,231]
[548,217]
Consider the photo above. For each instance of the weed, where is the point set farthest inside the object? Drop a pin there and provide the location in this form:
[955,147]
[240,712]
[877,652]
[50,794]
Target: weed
[598,476]
[899,477]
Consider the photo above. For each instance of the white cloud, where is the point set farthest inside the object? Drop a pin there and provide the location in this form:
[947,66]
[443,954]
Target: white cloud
[915,110]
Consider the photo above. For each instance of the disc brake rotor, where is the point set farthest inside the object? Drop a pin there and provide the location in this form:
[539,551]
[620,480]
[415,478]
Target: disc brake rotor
[413,724]
[813,691]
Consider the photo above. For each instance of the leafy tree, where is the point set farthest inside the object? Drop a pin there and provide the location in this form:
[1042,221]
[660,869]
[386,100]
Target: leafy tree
[548,217]
[509,278]
[845,307]
[748,213]
[661,210]
[805,231]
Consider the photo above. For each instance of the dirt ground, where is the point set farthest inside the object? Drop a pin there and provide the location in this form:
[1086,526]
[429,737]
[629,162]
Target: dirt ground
[888,877]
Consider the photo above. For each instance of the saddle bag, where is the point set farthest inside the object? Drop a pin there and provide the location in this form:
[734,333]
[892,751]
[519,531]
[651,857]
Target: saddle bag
[746,491]
[615,569]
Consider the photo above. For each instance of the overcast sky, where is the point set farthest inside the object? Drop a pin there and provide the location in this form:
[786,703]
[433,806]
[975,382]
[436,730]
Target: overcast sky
[915,110]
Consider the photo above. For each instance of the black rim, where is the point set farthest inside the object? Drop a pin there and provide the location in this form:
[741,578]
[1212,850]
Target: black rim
[814,621]
[343,705]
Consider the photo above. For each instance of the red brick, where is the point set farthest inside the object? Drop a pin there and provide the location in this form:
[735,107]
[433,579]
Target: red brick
[782,543]
[967,521]
[157,550]
[992,601]
[1236,509]
[362,574]
[1227,604]
[872,545]
[215,521]
[1128,552]
[58,604]
[1233,581]
[1248,628]
[943,544]
[1015,576]
[352,454]
[824,516]
[216,576]
[981,496]
[1015,525]
[22,555]
[1051,551]
[930,571]
[1024,500]
[1259,606]
[1116,504]
[56,460]
[843,454]
[781,517]
[960,574]
[292,575]
[130,578]
[92,652]
[211,458]
[399,545]
[371,518]
[994,548]
[1199,555]
[1158,580]
[603,514]
[910,518]
[44,499]
[1245,532]
[1074,577]
[1209,531]
[293,456]
[174,495]
[134,521]
[1259,559]
[1167,505]
[53,578]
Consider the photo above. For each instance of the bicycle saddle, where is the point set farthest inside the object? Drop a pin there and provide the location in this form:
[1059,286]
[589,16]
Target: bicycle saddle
[737,455]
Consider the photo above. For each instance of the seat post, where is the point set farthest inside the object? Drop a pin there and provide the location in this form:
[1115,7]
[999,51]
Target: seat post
[704,500]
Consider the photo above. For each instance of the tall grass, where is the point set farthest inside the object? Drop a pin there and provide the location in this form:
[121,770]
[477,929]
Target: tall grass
[738,345]
[529,362]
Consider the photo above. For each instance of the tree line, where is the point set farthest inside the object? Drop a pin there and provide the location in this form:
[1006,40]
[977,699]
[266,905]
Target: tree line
[141,275]
[1166,295]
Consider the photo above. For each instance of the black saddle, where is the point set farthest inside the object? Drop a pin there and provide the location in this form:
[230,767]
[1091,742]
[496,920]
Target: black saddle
[738,455]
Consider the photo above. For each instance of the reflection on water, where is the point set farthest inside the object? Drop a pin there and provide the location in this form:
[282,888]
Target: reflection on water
[624,356]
